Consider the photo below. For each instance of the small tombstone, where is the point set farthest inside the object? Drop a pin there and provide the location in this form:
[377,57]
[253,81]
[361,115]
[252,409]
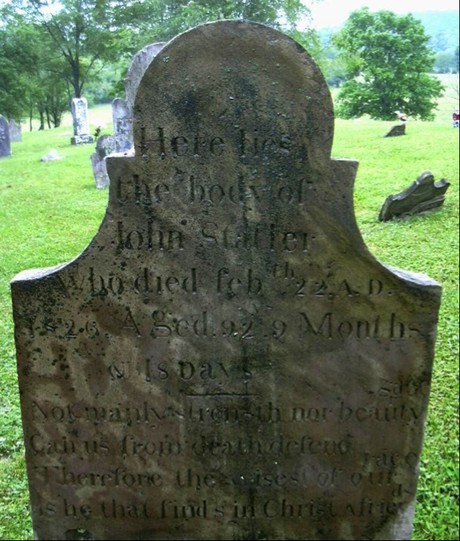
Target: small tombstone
[122,109]
[52,155]
[79,109]
[226,360]
[5,142]
[15,131]
[105,145]
[122,125]
[395,131]
[422,195]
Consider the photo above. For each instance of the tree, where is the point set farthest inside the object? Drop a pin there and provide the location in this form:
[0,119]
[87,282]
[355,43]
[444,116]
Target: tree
[31,75]
[388,63]
[88,33]
[445,62]
[18,61]
[81,31]
[164,20]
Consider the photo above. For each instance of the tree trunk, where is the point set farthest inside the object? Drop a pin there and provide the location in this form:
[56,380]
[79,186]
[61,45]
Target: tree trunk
[48,119]
[41,112]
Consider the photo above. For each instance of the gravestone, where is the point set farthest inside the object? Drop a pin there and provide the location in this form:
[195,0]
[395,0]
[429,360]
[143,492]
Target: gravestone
[15,131]
[52,156]
[226,360]
[139,64]
[105,145]
[122,118]
[423,194]
[5,143]
[395,131]
[122,109]
[81,135]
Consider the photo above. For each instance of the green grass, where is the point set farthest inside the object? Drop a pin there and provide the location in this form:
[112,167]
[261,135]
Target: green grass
[50,211]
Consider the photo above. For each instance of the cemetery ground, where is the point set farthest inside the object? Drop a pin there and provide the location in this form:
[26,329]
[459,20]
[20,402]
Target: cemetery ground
[49,211]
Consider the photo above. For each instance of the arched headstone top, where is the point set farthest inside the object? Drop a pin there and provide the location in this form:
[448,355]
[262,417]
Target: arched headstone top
[122,108]
[223,78]
[139,64]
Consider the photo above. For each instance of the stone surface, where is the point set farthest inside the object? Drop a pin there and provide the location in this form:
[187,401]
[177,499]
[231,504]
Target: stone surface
[226,360]
[422,195]
[5,142]
[15,131]
[395,131]
[79,110]
[105,145]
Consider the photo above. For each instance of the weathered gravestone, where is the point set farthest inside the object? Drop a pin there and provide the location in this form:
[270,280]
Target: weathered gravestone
[79,109]
[226,360]
[423,194]
[122,109]
[52,156]
[5,142]
[395,131]
[122,118]
[139,64]
[122,114]
[15,131]
[105,145]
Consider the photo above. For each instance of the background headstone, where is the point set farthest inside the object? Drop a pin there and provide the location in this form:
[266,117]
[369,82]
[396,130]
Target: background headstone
[5,144]
[122,109]
[122,112]
[226,360]
[122,117]
[79,109]
[15,131]
[139,64]
[105,145]
[395,131]
[52,155]
[422,195]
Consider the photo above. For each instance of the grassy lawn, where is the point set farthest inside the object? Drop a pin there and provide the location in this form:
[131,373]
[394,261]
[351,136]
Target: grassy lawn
[50,211]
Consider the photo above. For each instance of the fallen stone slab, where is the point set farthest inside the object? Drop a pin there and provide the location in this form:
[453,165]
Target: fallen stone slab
[422,195]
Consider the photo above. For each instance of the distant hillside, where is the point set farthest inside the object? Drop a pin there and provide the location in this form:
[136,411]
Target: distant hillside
[441,26]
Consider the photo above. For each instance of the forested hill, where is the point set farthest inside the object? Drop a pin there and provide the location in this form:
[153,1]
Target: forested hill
[441,26]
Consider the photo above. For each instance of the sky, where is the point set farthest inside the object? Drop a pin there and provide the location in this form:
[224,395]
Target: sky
[330,13]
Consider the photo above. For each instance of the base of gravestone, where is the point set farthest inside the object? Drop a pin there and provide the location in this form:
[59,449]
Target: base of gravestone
[81,139]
